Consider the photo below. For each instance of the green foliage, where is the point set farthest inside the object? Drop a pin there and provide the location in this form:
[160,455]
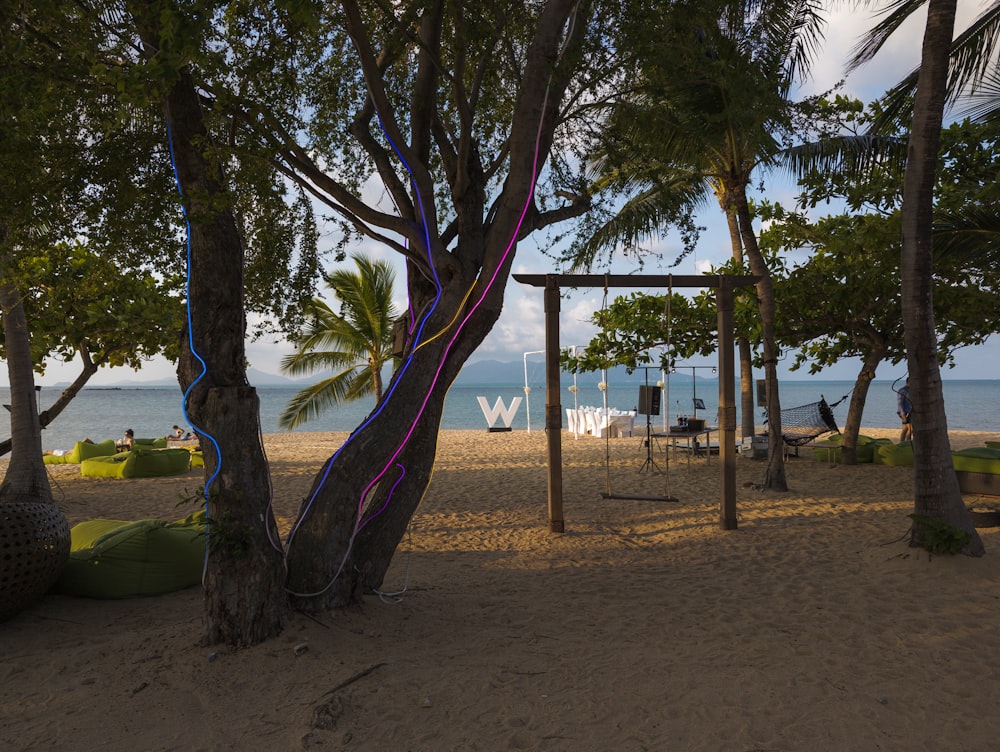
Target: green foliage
[843,299]
[938,536]
[79,303]
[709,107]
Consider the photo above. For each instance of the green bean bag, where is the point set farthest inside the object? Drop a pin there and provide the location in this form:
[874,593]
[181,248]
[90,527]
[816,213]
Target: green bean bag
[897,455]
[119,559]
[82,450]
[160,443]
[977,460]
[993,444]
[138,463]
[864,450]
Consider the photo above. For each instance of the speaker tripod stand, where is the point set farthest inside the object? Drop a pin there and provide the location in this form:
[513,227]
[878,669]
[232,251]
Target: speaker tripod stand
[650,463]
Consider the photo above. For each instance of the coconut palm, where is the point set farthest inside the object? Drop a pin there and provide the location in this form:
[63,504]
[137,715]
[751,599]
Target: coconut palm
[356,343]
[709,112]
[962,62]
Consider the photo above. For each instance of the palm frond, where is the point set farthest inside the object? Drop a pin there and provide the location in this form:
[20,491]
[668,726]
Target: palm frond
[894,15]
[848,155]
[315,399]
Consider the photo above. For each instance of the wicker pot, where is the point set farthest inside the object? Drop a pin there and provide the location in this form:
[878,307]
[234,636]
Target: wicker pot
[34,547]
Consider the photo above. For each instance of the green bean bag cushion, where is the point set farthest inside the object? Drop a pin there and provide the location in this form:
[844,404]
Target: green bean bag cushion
[993,444]
[160,443]
[977,460]
[898,455]
[138,463]
[864,449]
[82,450]
[119,559]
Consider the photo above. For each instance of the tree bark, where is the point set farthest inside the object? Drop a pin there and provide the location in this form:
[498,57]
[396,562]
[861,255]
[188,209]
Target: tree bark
[245,601]
[25,479]
[852,428]
[36,538]
[936,491]
[358,510]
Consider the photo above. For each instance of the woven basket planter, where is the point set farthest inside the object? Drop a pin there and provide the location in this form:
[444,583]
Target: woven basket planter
[34,547]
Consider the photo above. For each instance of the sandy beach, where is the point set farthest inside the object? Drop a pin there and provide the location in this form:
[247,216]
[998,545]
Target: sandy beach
[643,627]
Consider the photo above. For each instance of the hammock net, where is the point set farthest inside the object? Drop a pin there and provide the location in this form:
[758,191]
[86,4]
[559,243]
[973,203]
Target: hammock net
[802,424]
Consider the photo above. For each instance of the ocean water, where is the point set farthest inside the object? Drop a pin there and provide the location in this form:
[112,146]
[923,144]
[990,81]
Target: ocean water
[105,412]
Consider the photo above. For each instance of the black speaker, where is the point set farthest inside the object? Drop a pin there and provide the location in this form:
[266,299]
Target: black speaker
[761,393]
[649,400]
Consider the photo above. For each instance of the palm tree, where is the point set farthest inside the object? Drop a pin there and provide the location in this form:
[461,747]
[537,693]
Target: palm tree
[358,341]
[706,117]
[936,492]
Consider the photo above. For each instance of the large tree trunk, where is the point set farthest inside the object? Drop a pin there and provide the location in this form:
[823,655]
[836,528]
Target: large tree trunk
[774,476]
[36,537]
[25,479]
[747,422]
[360,505]
[936,491]
[245,601]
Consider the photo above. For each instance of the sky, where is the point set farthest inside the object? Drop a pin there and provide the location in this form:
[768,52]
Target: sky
[520,328]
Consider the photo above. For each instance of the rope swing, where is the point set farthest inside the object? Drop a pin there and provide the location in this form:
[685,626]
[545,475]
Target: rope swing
[609,493]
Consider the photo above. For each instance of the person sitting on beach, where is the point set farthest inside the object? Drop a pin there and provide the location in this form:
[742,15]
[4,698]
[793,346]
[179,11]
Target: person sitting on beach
[126,441]
[63,452]
[177,434]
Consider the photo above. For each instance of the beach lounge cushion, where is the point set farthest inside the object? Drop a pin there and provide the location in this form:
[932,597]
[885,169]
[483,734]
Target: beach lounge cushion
[977,460]
[160,443]
[82,450]
[121,559]
[138,463]
[898,455]
[828,450]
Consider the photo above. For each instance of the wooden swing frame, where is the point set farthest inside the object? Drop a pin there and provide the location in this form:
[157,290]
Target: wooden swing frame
[725,286]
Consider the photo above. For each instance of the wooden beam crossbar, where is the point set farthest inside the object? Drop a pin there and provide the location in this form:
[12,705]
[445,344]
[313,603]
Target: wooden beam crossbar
[725,286]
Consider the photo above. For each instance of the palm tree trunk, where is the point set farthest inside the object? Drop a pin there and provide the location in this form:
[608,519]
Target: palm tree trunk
[774,476]
[747,423]
[936,491]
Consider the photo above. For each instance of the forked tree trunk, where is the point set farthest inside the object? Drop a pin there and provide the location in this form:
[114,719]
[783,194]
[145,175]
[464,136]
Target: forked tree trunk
[245,600]
[358,510]
[936,491]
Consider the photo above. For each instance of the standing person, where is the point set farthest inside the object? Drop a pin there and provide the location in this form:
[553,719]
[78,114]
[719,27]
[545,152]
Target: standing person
[903,409]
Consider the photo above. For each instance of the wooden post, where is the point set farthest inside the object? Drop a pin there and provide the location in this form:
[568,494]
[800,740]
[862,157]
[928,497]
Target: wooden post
[553,406]
[727,403]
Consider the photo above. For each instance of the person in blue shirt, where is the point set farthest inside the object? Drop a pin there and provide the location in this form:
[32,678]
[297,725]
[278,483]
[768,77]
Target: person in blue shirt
[903,409]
